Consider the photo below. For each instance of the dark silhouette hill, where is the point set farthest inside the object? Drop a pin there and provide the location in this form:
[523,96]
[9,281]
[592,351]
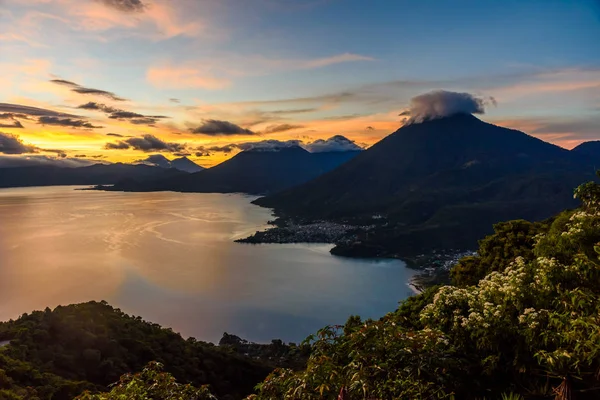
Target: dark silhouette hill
[444,181]
[186,165]
[257,171]
[589,149]
[96,174]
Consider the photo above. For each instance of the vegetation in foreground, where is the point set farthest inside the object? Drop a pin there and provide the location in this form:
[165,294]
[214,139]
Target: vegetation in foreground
[57,354]
[521,321]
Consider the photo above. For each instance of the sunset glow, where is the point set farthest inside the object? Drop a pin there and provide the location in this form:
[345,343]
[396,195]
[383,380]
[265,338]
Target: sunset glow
[102,72]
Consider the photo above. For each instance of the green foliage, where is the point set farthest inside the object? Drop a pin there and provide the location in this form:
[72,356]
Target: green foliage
[96,343]
[529,325]
[22,380]
[409,311]
[275,353]
[151,383]
[510,239]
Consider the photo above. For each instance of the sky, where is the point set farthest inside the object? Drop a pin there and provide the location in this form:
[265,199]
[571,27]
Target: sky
[117,80]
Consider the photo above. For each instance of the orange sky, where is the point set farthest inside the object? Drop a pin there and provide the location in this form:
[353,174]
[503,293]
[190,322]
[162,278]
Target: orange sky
[167,69]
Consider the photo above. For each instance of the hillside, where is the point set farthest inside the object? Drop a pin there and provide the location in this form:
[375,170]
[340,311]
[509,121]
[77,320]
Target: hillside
[432,179]
[589,149]
[90,175]
[59,352]
[251,171]
[528,329]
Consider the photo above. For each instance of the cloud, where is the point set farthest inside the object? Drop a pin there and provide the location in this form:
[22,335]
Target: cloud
[12,144]
[92,105]
[150,121]
[73,123]
[184,77]
[228,148]
[213,127]
[13,124]
[59,153]
[369,128]
[200,73]
[340,58]
[85,90]
[294,111]
[21,110]
[174,100]
[146,143]
[115,135]
[281,128]
[125,5]
[116,146]
[442,103]
[42,160]
[116,113]
[337,143]
[268,145]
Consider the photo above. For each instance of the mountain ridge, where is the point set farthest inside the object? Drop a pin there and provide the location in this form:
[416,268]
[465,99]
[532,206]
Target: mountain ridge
[431,177]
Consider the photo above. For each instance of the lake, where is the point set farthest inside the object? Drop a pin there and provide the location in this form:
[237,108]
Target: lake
[170,258]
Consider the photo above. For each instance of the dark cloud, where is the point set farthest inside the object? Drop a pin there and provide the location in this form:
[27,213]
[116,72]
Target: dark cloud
[116,113]
[443,103]
[85,90]
[20,111]
[174,100]
[13,124]
[182,154]
[201,154]
[12,144]
[213,127]
[59,153]
[337,143]
[74,123]
[115,135]
[122,114]
[92,105]
[125,5]
[144,121]
[369,128]
[146,143]
[281,128]
[268,145]
[116,146]
[12,117]
[228,148]
[42,160]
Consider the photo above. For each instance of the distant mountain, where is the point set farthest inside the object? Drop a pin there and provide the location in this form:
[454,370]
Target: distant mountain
[591,149]
[255,171]
[441,184]
[97,174]
[183,164]
[186,165]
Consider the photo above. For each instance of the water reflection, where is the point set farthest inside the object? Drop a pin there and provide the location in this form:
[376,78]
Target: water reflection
[170,258]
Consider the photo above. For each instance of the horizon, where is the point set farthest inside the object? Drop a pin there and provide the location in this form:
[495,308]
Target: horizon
[204,78]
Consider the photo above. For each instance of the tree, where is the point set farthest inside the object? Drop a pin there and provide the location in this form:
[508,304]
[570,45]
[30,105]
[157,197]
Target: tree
[151,383]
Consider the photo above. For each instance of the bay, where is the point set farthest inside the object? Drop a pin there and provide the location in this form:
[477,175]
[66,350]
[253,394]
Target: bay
[170,258]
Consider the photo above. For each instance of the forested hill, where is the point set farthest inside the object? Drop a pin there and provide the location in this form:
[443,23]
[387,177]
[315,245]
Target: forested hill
[59,353]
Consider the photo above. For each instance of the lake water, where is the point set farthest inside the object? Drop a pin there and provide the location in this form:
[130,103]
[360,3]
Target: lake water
[170,258]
